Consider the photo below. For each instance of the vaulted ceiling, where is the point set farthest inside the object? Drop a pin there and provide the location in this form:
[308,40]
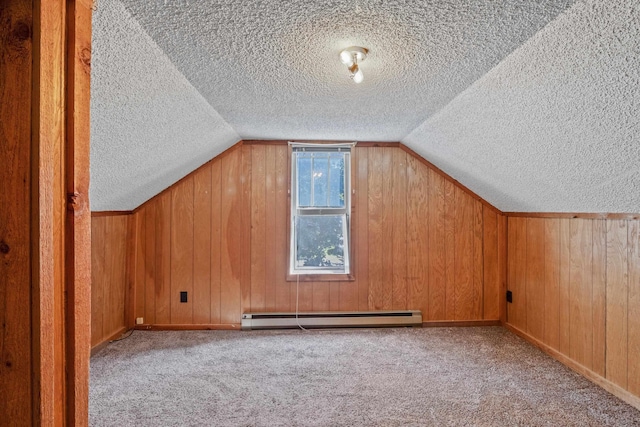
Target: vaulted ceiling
[532,104]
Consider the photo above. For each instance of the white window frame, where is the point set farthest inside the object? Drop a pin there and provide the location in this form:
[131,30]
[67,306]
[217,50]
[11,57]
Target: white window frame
[297,211]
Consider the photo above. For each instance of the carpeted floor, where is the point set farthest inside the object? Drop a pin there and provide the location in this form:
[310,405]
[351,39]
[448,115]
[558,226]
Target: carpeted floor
[483,376]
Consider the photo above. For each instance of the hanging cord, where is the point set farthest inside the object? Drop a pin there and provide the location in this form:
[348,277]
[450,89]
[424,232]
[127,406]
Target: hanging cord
[124,336]
[297,295]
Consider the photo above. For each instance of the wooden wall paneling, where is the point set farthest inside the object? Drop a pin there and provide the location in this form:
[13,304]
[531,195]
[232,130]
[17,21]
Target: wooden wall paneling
[231,247]
[478,262]
[581,317]
[463,255]
[321,295]
[98,273]
[202,245]
[387,259]
[303,295]
[517,269]
[399,231]
[150,268]
[258,227]
[283,288]
[502,265]
[348,291]
[117,240]
[362,222]
[182,251]
[130,272]
[16,61]
[216,236]
[633,315]
[163,259]
[564,292]
[552,282]
[377,250]
[449,248]
[436,302]
[334,295]
[491,271]
[617,302]
[599,292]
[417,237]
[270,227]
[139,301]
[534,277]
[246,233]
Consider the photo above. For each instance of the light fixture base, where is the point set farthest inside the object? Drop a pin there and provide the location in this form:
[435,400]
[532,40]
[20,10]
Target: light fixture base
[353,54]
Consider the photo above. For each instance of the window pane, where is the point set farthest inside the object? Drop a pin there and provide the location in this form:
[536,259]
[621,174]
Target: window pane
[336,183]
[320,241]
[320,180]
[304,179]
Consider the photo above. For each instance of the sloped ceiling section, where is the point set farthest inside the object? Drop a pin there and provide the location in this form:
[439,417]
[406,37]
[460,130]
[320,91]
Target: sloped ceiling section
[555,127]
[149,126]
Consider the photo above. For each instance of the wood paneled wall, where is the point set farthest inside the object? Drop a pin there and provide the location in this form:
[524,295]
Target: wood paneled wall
[421,242]
[576,289]
[108,276]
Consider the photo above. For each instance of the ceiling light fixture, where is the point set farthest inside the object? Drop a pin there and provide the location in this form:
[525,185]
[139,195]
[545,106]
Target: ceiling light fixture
[351,57]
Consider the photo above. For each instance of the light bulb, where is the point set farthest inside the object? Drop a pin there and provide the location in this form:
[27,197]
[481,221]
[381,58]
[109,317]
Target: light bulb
[346,58]
[358,76]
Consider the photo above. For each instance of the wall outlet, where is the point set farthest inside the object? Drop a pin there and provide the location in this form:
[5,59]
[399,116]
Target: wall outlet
[183,296]
[139,320]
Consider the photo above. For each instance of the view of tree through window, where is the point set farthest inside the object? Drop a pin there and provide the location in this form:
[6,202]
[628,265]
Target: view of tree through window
[320,210]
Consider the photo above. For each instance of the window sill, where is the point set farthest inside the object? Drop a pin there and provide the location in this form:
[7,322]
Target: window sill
[320,277]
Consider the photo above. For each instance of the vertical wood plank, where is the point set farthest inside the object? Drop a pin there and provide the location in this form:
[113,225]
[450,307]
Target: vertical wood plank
[376,219]
[231,247]
[270,228]
[362,213]
[565,295]
[163,259]
[246,216]
[478,263]
[502,265]
[417,237]
[387,228]
[581,328]
[552,282]
[399,231]
[216,238]
[202,245]
[320,295]
[463,256]
[283,289]
[617,302]
[436,258]
[334,295]
[140,263]
[449,248]
[150,263]
[257,227]
[534,277]
[517,271]
[491,293]
[98,236]
[599,282]
[182,251]
[633,315]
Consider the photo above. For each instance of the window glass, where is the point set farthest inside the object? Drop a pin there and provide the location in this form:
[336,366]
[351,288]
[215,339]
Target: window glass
[320,210]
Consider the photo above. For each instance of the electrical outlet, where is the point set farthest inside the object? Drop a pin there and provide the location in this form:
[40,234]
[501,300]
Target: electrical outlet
[139,320]
[509,296]
[183,296]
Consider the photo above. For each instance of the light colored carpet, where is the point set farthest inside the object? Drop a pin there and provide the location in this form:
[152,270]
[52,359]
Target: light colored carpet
[482,376]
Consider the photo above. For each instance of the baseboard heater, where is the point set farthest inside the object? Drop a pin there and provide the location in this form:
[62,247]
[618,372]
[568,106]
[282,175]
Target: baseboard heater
[331,319]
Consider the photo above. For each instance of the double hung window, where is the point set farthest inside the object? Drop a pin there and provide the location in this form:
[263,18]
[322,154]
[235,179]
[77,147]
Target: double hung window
[320,208]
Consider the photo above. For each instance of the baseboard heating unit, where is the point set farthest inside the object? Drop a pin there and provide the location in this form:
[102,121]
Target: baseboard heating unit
[331,319]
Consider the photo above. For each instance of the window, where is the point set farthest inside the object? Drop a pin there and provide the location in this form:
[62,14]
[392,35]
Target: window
[320,208]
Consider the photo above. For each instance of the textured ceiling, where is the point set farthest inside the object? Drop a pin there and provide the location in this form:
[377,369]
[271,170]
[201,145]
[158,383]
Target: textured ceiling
[533,104]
